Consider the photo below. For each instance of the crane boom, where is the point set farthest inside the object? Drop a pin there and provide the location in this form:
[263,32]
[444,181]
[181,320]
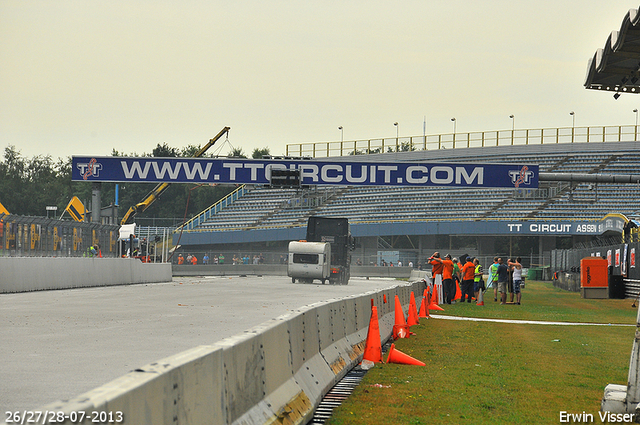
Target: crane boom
[161,187]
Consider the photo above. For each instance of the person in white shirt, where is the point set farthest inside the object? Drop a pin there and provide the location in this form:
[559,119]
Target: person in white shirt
[517,278]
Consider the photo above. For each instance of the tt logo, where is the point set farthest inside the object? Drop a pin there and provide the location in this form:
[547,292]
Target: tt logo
[90,169]
[522,176]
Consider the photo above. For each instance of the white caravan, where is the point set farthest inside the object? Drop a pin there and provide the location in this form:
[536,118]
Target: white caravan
[309,261]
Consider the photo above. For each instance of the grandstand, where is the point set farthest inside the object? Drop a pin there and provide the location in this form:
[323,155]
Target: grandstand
[266,219]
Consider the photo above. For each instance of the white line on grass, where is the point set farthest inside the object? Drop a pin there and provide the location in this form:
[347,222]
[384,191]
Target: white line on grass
[525,322]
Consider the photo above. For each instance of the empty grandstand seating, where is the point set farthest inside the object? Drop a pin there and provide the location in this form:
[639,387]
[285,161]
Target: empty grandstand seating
[262,207]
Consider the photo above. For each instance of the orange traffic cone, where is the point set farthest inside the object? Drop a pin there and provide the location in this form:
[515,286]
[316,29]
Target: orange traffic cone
[397,356]
[373,347]
[435,307]
[434,295]
[384,298]
[412,316]
[480,298]
[400,329]
[458,292]
[423,308]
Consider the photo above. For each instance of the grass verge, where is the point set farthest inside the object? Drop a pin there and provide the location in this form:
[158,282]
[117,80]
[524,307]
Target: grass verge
[495,373]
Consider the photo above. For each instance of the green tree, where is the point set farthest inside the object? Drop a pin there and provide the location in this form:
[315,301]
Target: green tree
[237,153]
[165,151]
[258,153]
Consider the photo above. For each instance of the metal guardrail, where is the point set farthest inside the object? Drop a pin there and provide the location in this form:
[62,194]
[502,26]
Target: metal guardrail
[213,209]
[149,231]
[542,136]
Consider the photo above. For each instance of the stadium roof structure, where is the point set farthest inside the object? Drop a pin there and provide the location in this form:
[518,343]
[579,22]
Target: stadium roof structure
[617,67]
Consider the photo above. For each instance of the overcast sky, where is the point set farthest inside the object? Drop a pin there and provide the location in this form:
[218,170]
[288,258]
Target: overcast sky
[85,77]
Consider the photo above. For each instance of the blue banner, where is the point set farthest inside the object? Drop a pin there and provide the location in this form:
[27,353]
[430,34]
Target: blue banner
[258,171]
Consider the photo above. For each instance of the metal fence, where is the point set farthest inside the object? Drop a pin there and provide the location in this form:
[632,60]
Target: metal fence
[26,236]
[621,257]
[538,136]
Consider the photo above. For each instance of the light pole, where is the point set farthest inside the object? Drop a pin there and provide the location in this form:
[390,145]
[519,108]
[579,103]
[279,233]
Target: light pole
[513,126]
[454,131]
[573,125]
[341,133]
[397,132]
[513,122]
[635,132]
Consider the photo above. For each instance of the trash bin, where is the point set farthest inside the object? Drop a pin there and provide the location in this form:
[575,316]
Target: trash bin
[534,273]
[617,287]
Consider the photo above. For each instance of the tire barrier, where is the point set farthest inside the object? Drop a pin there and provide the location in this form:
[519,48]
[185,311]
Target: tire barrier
[273,373]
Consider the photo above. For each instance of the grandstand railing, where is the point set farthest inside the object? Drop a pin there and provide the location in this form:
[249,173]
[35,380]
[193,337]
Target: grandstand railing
[213,209]
[151,231]
[545,136]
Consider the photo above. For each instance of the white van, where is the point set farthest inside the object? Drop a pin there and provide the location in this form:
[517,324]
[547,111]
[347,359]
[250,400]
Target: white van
[308,261]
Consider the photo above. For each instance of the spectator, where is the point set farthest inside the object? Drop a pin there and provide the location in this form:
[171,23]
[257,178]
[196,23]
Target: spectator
[478,281]
[180,259]
[510,280]
[194,260]
[220,259]
[468,274]
[517,278]
[448,285]
[457,277]
[205,259]
[493,278]
[503,278]
[436,266]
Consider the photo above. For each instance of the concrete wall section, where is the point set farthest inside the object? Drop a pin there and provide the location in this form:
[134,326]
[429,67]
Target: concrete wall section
[280,270]
[185,388]
[276,372]
[22,274]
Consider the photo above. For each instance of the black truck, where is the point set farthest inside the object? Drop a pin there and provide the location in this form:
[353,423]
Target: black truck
[337,232]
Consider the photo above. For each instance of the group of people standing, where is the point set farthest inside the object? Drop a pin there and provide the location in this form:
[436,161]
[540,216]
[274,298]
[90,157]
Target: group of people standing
[469,275]
[506,277]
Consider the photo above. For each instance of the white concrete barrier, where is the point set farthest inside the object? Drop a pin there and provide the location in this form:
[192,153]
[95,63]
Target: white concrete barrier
[625,399]
[23,274]
[276,372]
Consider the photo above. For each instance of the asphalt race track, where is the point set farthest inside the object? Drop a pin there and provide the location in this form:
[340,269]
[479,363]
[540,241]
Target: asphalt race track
[59,344]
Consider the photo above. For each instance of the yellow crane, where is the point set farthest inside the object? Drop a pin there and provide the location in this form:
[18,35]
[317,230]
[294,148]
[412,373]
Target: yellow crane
[161,187]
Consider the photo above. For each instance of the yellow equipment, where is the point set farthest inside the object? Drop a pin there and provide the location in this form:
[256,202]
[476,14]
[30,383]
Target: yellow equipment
[161,187]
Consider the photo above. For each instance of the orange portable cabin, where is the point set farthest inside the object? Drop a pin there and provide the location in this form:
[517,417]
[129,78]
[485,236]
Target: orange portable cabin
[594,277]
